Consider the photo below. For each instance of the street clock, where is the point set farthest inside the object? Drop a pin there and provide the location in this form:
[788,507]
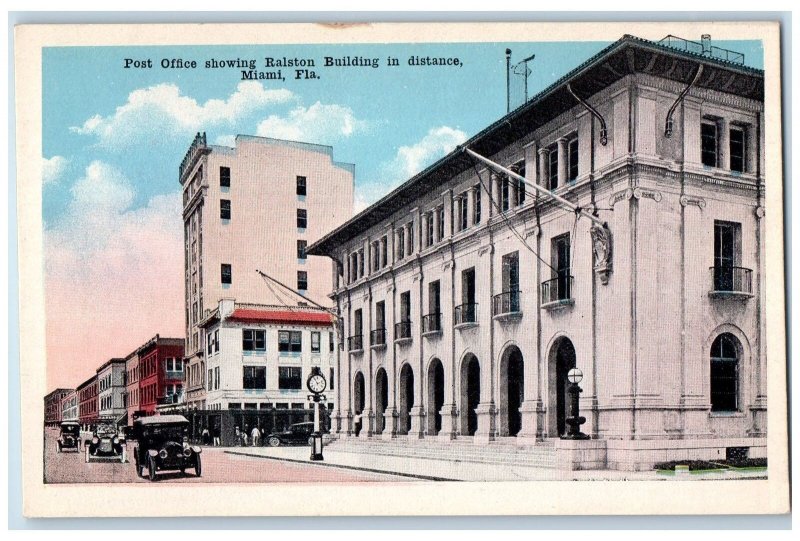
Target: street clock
[316,383]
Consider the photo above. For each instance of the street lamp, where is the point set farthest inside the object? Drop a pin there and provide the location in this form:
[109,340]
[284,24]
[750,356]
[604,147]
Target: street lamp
[574,376]
[316,384]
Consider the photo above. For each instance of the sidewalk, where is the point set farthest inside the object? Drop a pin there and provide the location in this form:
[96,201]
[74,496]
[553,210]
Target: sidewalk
[440,470]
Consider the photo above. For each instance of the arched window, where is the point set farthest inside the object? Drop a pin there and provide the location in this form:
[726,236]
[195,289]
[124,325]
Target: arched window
[725,373]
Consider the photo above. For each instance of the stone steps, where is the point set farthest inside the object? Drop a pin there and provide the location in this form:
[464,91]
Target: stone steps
[540,455]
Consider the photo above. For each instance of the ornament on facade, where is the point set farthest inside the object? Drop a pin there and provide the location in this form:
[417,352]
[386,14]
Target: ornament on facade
[697,201]
[760,211]
[603,251]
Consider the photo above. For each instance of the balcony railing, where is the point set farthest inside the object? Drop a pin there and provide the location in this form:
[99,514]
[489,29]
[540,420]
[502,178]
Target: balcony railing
[557,291]
[731,281]
[432,323]
[506,303]
[355,343]
[402,330]
[466,313]
[377,337]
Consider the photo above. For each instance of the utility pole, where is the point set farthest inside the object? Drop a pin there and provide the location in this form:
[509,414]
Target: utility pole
[508,80]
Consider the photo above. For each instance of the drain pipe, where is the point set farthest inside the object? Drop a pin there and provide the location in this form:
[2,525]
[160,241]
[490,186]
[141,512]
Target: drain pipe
[598,116]
[668,124]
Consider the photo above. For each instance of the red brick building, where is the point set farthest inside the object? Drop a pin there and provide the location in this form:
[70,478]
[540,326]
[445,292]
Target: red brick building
[88,402]
[160,371]
[52,406]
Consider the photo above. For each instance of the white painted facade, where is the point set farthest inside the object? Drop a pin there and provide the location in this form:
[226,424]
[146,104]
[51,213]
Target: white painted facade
[641,330]
[111,389]
[262,230]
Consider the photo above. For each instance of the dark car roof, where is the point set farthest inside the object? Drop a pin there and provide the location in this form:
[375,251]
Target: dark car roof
[162,420]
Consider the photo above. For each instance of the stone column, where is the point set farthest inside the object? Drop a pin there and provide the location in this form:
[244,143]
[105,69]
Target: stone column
[562,161]
[543,179]
[447,198]
[470,206]
[437,220]
[487,419]
[423,231]
[723,144]
[409,239]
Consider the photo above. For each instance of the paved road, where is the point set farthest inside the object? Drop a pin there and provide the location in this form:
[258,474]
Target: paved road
[218,467]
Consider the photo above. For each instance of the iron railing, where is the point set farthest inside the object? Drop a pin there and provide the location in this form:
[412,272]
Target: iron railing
[466,313]
[402,330]
[377,337]
[355,343]
[432,323]
[506,302]
[557,290]
[696,47]
[729,279]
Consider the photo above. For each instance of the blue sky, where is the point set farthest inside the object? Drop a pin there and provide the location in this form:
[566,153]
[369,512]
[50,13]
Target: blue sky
[113,139]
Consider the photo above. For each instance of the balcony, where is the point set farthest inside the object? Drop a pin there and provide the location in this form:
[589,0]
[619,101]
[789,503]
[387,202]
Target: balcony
[432,324]
[465,315]
[506,305]
[377,338]
[402,332]
[557,293]
[731,282]
[355,343]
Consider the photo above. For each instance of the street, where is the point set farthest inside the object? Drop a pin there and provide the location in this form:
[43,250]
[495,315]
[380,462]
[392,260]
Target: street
[218,467]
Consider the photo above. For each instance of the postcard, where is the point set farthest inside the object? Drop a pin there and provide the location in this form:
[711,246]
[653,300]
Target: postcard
[401,269]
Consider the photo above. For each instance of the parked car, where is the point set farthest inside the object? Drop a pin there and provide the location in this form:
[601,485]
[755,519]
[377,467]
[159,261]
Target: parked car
[106,442]
[69,437]
[162,443]
[296,434]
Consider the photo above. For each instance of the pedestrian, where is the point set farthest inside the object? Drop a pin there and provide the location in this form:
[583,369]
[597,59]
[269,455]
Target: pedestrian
[238,435]
[216,437]
[255,436]
[205,436]
[245,433]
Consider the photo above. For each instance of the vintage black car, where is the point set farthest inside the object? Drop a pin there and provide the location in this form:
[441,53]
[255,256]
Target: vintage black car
[296,434]
[70,436]
[106,443]
[162,443]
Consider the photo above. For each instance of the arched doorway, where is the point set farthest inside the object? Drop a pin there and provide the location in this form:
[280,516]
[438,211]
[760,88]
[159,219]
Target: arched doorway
[562,359]
[470,394]
[359,397]
[406,398]
[435,396]
[512,391]
[381,399]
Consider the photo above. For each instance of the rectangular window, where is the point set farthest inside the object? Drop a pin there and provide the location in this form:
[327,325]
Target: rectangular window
[572,159]
[290,377]
[302,280]
[410,238]
[561,283]
[384,247]
[727,256]
[254,340]
[301,249]
[505,193]
[315,342]
[302,218]
[738,149]
[209,345]
[301,185]
[552,167]
[520,183]
[461,212]
[226,275]
[440,229]
[254,377]
[708,136]
[401,243]
[434,298]
[510,300]
[330,341]
[468,286]
[216,377]
[357,323]
[216,341]
[361,263]
[210,379]
[290,341]
[476,212]
[429,229]
[405,306]
[225,177]
[331,379]
[380,315]
[225,209]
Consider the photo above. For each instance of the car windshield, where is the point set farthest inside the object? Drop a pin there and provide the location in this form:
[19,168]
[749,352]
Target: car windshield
[105,430]
[70,429]
[164,433]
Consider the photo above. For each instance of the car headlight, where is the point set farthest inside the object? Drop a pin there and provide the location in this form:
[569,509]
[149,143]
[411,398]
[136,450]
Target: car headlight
[163,453]
[187,451]
[186,439]
[116,441]
[95,440]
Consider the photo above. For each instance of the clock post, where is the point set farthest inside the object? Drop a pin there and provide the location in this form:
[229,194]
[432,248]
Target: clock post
[316,384]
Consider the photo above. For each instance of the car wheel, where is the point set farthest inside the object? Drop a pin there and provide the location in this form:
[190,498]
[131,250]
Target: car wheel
[197,466]
[139,467]
[124,456]
[151,469]
[274,442]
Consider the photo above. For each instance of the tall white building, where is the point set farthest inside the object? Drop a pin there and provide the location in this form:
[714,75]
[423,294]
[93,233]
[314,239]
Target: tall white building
[255,206]
[466,297]
[111,390]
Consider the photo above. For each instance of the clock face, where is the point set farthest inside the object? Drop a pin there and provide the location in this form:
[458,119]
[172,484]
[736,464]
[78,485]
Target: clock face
[316,383]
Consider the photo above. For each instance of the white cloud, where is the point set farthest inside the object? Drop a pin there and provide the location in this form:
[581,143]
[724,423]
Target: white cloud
[53,168]
[409,161]
[152,113]
[319,123]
